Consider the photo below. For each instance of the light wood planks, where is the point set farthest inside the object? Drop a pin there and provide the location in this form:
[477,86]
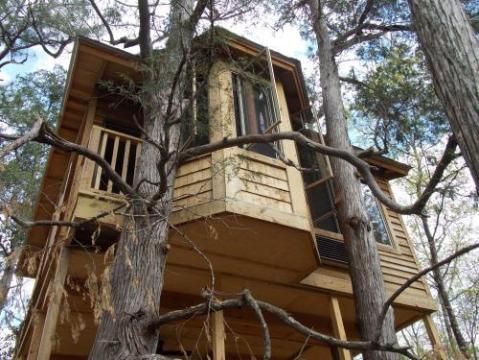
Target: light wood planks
[193,184]
[338,327]
[38,324]
[56,295]
[258,180]
[434,338]
[218,335]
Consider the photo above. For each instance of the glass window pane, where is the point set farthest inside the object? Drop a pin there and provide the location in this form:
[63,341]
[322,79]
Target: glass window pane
[322,209]
[253,111]
[376,216]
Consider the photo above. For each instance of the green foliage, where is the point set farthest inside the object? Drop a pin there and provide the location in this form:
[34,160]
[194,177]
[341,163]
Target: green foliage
[31,95]
[396,105]
[51,24]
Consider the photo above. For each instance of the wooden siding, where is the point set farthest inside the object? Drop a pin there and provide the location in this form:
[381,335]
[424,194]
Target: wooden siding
[193,184]
[398,264]
[258,180]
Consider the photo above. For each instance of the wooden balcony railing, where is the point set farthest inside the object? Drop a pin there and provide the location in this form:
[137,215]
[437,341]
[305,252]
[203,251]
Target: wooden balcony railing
[120,150]
[232,180]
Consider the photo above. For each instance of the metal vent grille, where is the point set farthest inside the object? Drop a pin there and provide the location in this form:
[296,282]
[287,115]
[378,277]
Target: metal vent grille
[332,250]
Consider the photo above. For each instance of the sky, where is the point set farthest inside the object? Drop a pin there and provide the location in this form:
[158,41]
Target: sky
[287,41]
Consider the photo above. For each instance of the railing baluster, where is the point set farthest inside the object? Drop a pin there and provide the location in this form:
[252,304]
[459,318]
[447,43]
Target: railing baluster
[138,153]
[104,138]
[102,154]
[113,161]
[126,158]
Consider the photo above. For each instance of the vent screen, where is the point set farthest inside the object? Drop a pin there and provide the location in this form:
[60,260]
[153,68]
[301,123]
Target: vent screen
[332,250]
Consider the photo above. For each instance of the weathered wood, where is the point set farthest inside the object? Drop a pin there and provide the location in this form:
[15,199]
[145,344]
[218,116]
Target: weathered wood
[126,155]
[218,335]
[55,298]
[38,323]
[137,272]
[99,170]
[434,338]
[366,276]
[452,51]
[6,278]
[338,327]
[114,156]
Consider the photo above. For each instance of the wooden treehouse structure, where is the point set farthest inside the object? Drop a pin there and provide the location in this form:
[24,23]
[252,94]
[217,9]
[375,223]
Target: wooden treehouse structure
[263,225]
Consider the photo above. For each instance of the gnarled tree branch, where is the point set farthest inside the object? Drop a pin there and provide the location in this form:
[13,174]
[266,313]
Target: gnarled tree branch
[361,165]
[283,316]
[416,277]
[42,133]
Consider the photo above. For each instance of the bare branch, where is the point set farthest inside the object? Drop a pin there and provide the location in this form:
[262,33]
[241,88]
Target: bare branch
[144,36]
[18,142]
[259,314]
[43,134]
[352,81]
[283,316]
[73,224]
[416,277]
[361,165]
[123,40]
[341,46]
[365,13]
[358,34]
[197,12]
[45,42]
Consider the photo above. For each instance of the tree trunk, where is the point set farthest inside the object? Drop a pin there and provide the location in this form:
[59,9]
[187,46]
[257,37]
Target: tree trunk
[443,294]
[6,280]
[447,326]
[452,51]
[136,276]
[365,270]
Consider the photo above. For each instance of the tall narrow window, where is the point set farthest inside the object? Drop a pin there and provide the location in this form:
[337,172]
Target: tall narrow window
[318,189]
[380,229]
[195,122]
[254,111]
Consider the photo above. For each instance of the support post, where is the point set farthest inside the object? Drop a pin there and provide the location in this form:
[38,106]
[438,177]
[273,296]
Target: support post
[434,337]
[51,318]
[218,335]
[338,327]
[38,323]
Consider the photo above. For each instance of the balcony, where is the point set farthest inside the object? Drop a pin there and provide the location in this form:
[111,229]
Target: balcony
[246,211]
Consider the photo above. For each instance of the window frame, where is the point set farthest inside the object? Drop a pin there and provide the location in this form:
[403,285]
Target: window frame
[272,113]
[392,246]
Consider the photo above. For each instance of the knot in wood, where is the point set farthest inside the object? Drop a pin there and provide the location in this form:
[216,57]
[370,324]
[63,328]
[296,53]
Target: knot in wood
[165,247]
[357,222]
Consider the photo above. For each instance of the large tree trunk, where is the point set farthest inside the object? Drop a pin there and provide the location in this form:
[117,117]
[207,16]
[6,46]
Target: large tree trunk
[136,276]
[6,280]
[443,294]
[452,51]
[366,275]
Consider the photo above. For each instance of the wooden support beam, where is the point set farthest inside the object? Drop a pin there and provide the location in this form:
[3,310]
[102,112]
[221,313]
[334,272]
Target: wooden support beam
[56,295]
[338,327]
[38,323]
[218,335]
[434,337]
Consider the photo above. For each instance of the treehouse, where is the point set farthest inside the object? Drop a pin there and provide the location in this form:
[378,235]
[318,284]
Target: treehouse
[262,225]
